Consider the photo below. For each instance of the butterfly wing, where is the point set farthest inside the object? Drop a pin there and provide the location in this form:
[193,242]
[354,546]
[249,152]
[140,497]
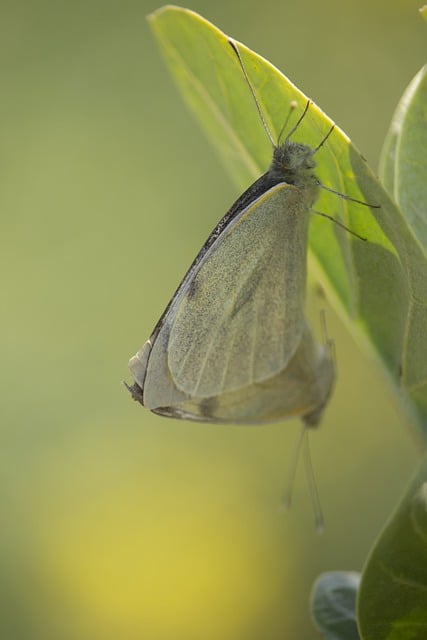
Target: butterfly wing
[237,318]
[301,390]
[240,320]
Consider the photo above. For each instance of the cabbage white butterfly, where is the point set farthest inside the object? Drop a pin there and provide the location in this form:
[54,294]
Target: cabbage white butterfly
[233,345]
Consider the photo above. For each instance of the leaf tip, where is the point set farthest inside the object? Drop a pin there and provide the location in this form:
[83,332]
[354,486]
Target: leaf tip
[158,12]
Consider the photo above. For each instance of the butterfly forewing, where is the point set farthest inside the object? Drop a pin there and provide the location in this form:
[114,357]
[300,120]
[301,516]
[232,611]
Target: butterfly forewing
[240,319]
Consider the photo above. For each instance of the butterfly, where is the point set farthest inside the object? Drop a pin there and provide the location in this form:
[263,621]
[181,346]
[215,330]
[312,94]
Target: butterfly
[233,345]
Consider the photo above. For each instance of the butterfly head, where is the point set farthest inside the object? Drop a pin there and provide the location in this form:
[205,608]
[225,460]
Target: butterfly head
[291,160]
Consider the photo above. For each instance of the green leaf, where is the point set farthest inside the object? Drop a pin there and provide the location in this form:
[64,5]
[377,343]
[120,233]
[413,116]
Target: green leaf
[333,605]
[380,286]
[393,594]
[403,166]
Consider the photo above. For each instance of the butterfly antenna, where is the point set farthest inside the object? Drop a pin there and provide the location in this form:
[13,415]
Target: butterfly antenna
[298,122]
[258,106]
[322,142]
[312,486]
[287,496]
[292,106]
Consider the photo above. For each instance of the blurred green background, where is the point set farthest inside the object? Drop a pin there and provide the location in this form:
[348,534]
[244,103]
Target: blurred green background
[115,523]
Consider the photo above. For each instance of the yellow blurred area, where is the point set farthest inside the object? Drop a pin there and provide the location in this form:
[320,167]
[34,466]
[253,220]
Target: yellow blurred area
[131,547]
[115,523]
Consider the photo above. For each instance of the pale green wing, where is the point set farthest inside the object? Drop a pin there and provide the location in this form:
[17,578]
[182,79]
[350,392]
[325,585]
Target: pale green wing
[301,389]
[240,318]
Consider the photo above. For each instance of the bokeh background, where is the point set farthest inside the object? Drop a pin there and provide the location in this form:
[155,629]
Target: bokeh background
[115,523]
